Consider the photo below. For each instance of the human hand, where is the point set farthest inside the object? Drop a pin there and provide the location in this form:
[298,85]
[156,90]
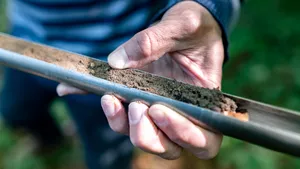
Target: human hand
[185,45]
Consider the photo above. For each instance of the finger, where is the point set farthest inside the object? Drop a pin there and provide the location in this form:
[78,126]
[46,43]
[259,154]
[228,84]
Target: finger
[145,135]
[200,142]
[64,89]
[149,45]
[143,48]
[115,114]
[177,25]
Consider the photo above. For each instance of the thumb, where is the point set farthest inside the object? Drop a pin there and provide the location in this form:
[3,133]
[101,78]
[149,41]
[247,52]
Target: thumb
[143,48]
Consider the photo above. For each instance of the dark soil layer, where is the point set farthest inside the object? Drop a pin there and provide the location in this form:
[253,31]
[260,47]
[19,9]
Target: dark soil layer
[211,99]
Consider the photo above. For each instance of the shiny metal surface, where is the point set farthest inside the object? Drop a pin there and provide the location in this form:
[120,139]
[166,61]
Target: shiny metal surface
[268,126]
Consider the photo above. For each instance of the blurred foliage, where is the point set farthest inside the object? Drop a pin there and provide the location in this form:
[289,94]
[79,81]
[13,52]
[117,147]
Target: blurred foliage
[264,65]
[2,16]
[18,150]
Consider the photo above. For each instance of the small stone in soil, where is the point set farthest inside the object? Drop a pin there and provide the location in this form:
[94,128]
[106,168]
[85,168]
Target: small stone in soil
[92,65]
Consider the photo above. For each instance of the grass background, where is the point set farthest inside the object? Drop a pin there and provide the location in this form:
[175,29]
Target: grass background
[264,65]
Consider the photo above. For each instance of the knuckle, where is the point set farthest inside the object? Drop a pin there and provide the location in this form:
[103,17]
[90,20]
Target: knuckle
[170,156]
[139,142]
[191,23]
[180,138]
[119,127]
[143,41]
[116,127]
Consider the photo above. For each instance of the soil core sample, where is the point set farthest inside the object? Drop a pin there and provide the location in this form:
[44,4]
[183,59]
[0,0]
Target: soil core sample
[212,99]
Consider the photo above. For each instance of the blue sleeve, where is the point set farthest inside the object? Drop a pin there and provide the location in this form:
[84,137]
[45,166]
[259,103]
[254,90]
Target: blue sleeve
[221,10]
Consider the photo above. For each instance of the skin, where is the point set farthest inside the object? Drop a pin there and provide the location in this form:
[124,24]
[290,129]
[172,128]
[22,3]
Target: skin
[186,44]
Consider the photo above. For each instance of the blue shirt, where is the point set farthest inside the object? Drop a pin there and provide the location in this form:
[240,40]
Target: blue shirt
[95,27]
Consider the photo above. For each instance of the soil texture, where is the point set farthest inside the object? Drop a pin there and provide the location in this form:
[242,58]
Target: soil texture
[212,99]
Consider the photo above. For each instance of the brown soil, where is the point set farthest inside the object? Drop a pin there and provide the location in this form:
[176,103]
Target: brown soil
[206,98]
[211,99]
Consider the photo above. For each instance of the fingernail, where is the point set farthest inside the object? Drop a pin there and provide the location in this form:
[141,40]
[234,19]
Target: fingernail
[158,116]
[61,90]
[136,112]
[108,105]
[64,89]
[118,59]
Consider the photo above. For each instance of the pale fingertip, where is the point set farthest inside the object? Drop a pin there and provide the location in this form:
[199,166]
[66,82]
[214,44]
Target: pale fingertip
[64,89]
[145,135]
[115,114]
[118,59]
[61,90]
[158,116]
[136,111]
[108,105]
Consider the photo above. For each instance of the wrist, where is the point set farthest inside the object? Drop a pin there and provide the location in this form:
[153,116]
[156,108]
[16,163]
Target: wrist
[226,14]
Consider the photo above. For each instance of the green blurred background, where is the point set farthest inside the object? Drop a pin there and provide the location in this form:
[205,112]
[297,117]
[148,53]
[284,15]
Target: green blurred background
[264,65]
